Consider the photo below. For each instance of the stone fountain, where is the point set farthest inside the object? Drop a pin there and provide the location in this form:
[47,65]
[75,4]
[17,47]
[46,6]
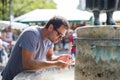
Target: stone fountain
[98,53]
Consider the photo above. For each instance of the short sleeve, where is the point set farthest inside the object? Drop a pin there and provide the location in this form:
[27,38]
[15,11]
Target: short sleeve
[28,40]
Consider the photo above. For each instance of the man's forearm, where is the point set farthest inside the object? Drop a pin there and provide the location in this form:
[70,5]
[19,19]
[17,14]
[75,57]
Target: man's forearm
[36,64]
[54,58]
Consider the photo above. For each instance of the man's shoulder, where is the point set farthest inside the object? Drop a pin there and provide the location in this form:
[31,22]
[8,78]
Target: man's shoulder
[34,29]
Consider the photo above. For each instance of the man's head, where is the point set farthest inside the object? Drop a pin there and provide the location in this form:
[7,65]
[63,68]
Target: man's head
[57,28]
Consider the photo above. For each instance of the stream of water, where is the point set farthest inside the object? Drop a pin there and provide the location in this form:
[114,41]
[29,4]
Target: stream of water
[47,74]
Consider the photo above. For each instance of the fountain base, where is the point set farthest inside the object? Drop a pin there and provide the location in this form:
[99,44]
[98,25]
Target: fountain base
[98,53]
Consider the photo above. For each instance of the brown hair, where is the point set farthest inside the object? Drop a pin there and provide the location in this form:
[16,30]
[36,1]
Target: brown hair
[57,21]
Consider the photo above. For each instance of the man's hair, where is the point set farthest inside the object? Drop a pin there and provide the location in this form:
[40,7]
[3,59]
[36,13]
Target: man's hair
[57,21]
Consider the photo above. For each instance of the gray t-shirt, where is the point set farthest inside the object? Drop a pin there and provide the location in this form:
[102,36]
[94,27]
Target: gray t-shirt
[31,39]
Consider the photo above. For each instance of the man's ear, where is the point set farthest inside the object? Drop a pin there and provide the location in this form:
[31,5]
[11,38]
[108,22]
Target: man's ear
[50,28]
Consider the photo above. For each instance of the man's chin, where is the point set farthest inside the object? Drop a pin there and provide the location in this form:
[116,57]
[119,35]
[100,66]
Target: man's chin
[56,42]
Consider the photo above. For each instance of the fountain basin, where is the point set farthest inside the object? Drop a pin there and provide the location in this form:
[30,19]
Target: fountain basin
[98,53]
[47,74]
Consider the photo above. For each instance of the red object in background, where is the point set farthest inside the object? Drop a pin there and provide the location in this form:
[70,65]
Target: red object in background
[71,38]
[73,49]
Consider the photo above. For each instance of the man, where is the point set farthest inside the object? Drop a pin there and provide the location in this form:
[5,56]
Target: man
[34,45]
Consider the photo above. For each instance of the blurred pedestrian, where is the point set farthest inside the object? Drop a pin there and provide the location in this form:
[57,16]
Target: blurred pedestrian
[70,40]
[3,52]
[63,43]
[73,52]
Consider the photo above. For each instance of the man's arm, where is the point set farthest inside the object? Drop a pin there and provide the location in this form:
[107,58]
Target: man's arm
[50,56]
[30,64]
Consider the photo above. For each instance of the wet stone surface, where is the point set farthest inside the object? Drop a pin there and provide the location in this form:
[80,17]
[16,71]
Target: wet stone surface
[87,69]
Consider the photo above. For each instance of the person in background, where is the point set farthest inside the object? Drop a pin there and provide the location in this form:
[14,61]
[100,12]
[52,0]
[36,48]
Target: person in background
[72,46]
[70,40]
[73,52]
[3,52]
[63,43]
[34,49]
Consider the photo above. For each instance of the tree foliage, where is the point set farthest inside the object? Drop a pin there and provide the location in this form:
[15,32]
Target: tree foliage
[20,7]
[4,11]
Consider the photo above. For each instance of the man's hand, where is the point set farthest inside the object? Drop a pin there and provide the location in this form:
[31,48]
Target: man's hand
[61,64]
[66,58]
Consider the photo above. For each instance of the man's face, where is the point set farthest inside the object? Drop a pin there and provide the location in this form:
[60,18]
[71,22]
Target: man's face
[58,34]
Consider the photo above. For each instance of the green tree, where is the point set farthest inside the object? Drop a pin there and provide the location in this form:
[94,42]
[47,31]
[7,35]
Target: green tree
[20,7]
[4,11]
